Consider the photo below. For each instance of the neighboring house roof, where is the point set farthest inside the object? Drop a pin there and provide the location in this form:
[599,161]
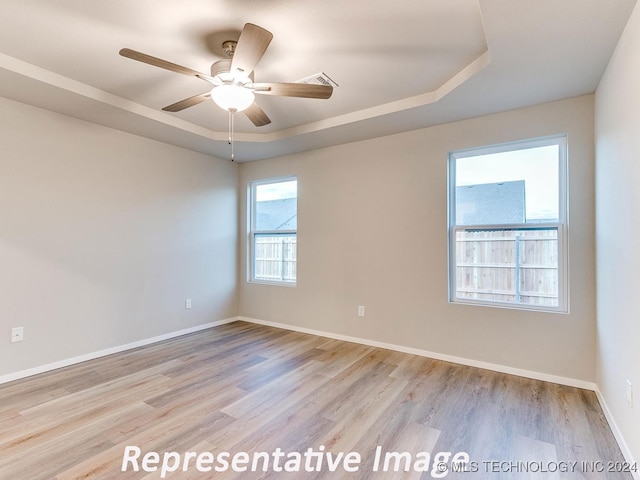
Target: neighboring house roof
[491,203]
[277,214]
[482,204]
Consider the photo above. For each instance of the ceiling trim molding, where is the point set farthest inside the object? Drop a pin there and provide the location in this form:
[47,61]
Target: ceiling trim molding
[56,80]
[78,88]
[388,108]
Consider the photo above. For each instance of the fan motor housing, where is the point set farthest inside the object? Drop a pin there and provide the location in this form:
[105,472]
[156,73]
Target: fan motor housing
[222,70]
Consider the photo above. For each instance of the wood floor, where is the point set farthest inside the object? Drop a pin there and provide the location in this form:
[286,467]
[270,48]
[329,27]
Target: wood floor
[247,388]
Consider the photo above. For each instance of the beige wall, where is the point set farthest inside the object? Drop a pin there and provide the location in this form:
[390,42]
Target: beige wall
[104,234]
[372,231]
[618,232]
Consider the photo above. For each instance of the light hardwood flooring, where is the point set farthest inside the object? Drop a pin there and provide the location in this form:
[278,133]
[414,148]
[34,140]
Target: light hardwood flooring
[248,388]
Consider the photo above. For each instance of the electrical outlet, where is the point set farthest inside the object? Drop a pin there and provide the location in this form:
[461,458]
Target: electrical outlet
[187,304]
[630,393]
[361,310]
[17,334]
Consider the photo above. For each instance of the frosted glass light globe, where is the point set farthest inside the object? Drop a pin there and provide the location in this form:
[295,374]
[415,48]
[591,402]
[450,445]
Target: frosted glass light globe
[232,97]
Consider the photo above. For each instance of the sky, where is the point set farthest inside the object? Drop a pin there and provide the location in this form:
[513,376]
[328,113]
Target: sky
[538,167]
[276,191]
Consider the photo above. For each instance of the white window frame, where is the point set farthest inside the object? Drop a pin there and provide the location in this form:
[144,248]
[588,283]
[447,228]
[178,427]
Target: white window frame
[561,225]
[252,232]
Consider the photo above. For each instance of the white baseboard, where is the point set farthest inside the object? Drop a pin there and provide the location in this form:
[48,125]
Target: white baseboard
[626,451]
[364,341]
[571,382]
[109,351]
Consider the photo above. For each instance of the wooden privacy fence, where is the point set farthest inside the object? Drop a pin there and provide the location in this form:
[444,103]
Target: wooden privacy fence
[516,266]
[275,257]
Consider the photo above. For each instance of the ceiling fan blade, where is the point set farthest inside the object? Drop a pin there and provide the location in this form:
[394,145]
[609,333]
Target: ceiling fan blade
[252,44]
[158,62]
[304,90]
[257,115]
[187,102]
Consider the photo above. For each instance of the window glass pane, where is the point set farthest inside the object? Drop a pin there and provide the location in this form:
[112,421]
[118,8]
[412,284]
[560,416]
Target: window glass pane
[513,266]
[275,257]
[274,233]
[276,206]
[519,186]
[507,225]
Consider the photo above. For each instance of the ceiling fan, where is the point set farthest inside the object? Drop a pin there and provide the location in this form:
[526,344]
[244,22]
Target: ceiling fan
[232,82]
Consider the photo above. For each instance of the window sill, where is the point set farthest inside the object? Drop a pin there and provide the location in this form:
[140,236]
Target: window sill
[273,283]
[511,306]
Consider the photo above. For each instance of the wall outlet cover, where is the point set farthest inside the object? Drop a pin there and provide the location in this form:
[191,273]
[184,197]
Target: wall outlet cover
[17,334]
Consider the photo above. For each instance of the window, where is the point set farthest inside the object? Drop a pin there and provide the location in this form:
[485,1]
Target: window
[273,230]
[507,225]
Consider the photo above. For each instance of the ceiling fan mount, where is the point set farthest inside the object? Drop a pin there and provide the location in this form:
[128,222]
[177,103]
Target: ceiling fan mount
[229,47]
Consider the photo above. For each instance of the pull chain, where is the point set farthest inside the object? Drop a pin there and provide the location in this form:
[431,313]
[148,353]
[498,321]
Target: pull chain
[231,112]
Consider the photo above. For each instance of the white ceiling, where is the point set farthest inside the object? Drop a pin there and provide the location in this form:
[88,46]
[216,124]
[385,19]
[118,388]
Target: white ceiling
[400,65]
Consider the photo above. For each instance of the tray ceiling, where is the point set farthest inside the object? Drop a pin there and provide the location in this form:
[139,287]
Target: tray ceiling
[399,67]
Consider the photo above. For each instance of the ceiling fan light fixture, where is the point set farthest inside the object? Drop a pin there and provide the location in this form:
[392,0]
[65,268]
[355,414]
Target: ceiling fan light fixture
[232,97]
